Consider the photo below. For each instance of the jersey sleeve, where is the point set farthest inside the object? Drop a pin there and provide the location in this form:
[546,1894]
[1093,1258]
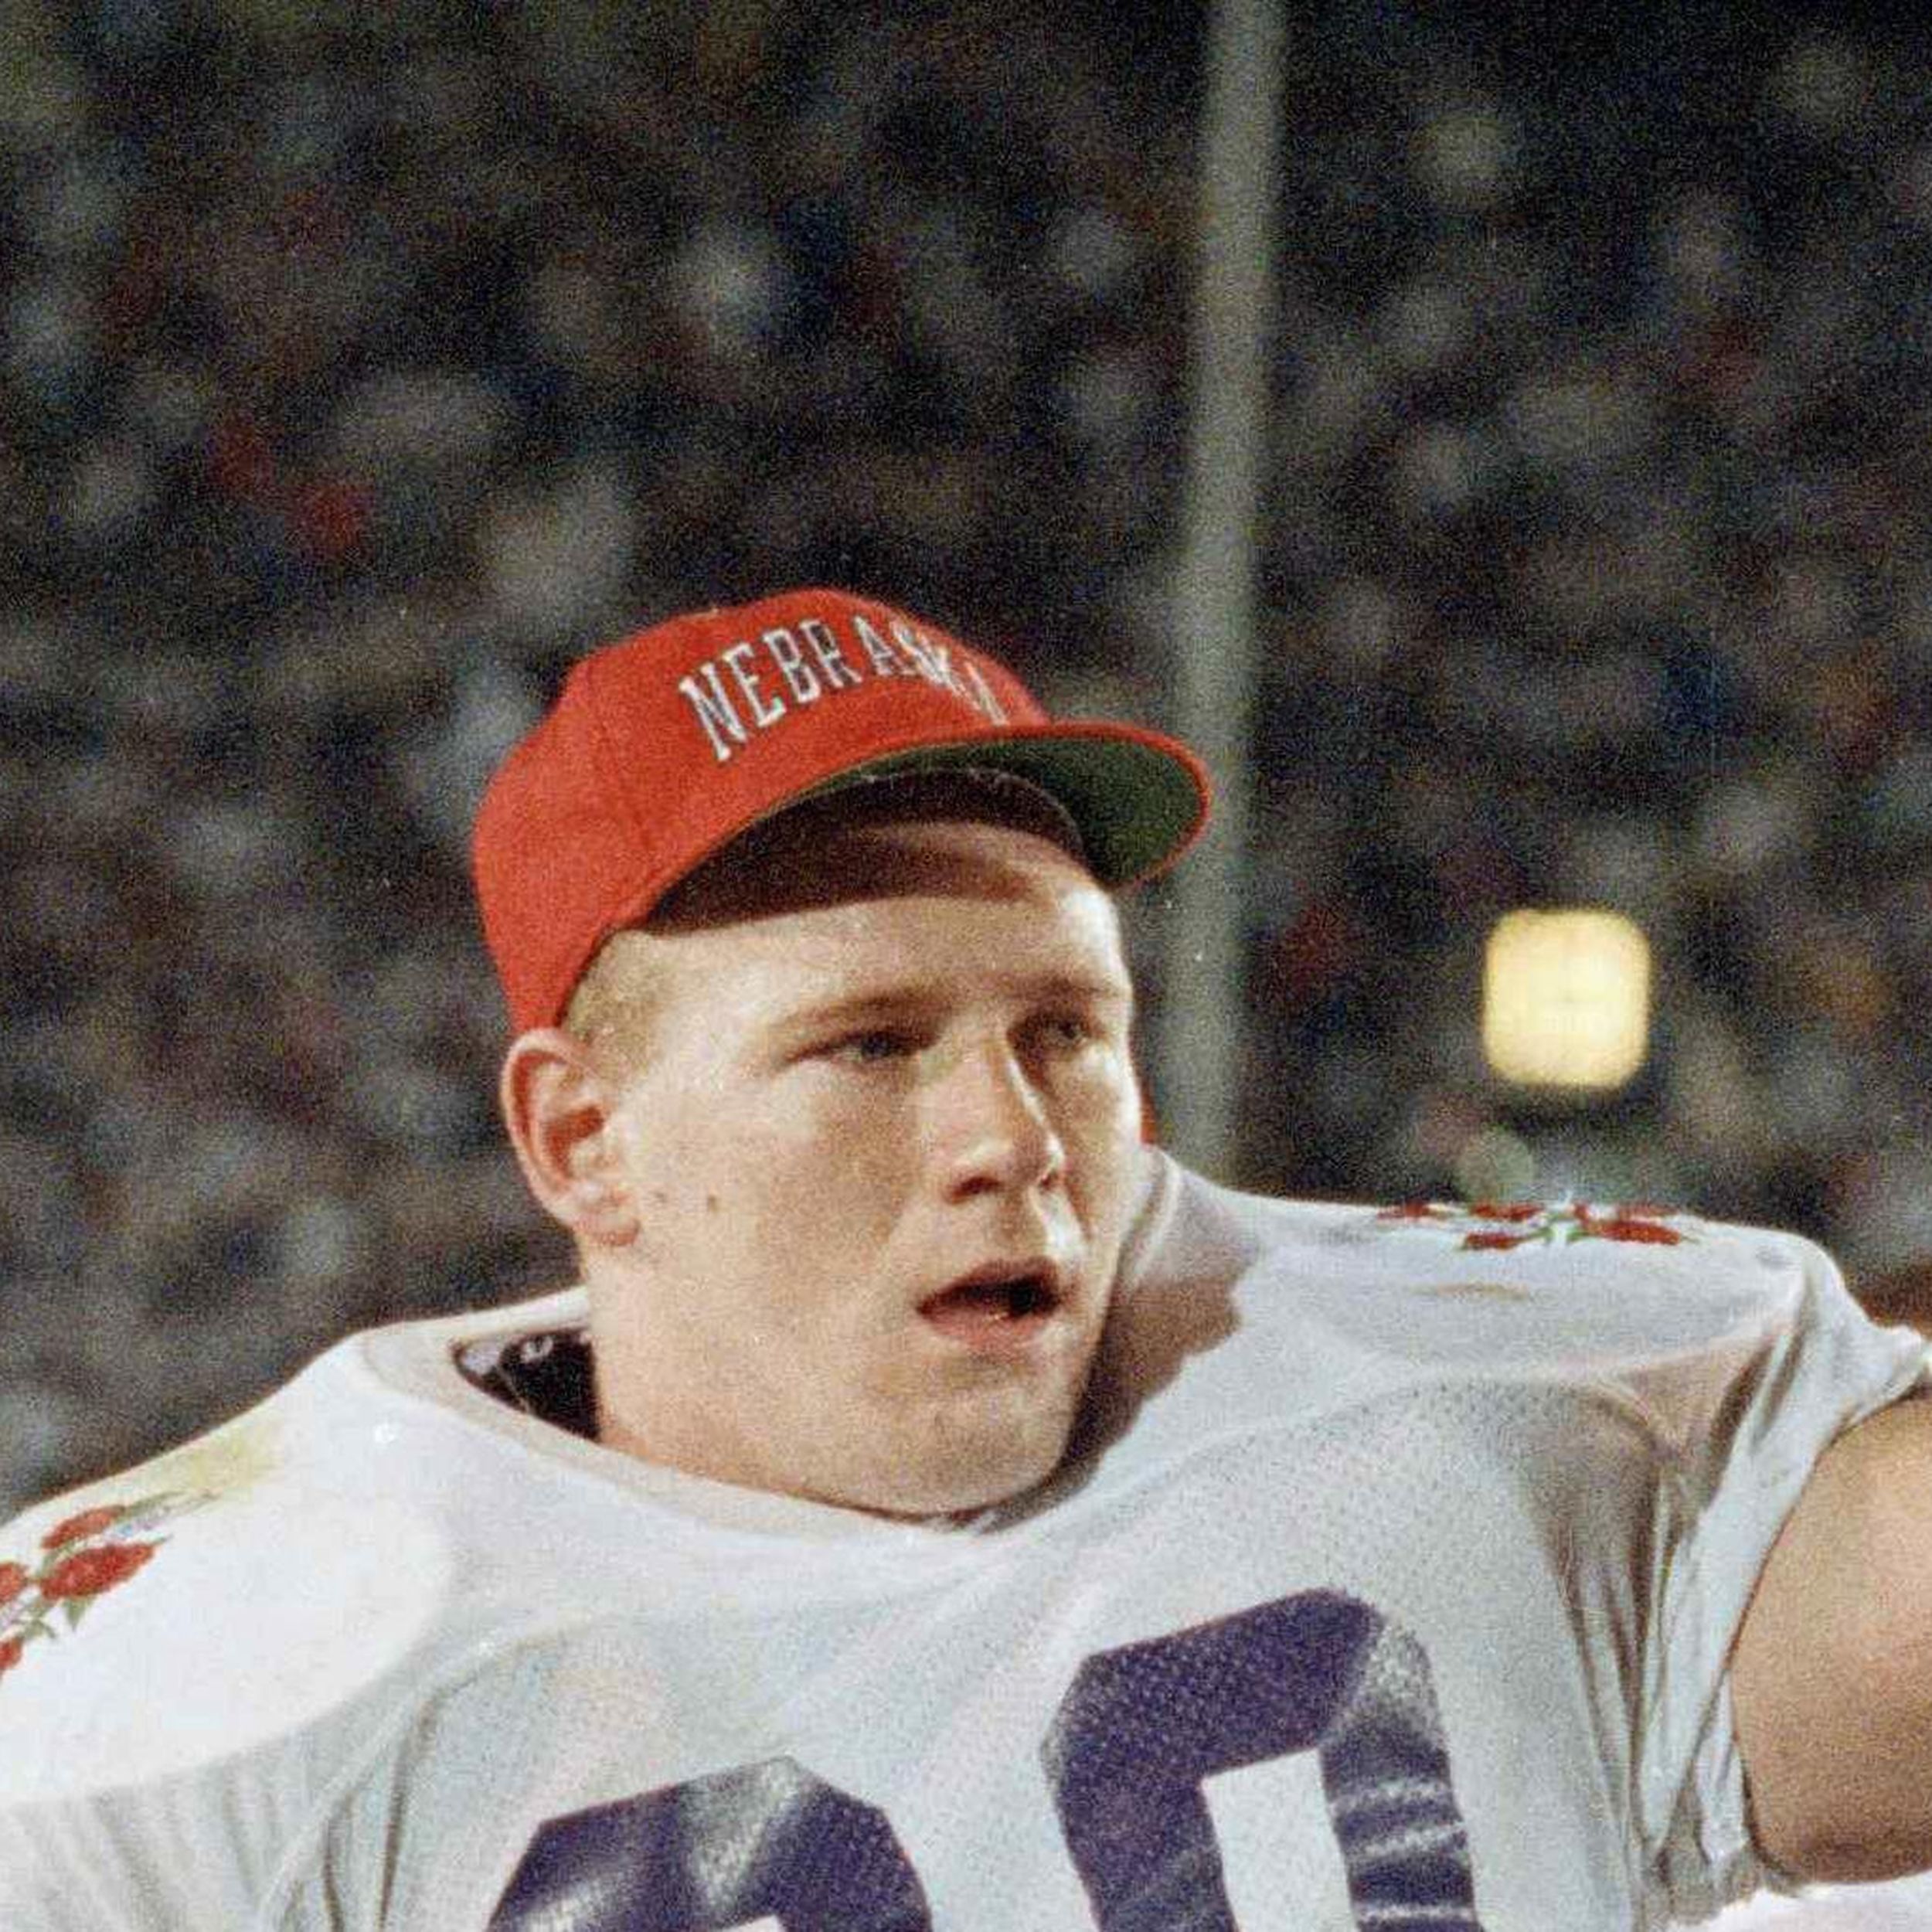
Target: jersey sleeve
[103,1679]
[1904,1905]
[1742,1427]
[192,1655]
[146,1859]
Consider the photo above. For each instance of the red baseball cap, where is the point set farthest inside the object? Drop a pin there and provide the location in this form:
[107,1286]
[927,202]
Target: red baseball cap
[663,748]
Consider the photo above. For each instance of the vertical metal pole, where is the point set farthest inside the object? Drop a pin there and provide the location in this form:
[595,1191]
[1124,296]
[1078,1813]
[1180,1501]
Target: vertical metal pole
[1201,1034]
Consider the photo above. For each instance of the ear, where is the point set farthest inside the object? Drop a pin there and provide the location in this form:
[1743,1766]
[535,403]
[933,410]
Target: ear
[558,1107]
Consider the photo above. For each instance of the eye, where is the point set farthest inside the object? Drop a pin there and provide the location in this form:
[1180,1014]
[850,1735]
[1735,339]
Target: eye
[877,1046]
[1064,1032]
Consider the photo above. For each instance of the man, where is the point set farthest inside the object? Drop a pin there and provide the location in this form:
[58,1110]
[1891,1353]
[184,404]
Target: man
[933,1508]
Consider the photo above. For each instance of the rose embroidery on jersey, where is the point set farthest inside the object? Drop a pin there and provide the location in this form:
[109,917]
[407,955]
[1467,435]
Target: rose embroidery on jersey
[92,1571]
[84,1556]
[1496,1227]
[89,1522]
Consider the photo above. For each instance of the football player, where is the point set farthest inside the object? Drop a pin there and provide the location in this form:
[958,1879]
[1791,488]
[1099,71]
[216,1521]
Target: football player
[933,1507]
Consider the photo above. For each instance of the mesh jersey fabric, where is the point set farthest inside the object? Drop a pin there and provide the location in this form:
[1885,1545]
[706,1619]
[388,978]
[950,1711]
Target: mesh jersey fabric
[1903,1905]
[1389,1584]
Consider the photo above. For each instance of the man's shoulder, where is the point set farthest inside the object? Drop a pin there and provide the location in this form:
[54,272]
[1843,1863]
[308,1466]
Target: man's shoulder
[1586,1271]
[253,1586]
[1308,1305]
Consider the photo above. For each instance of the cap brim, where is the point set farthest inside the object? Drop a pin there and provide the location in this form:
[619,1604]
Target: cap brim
[1137,800]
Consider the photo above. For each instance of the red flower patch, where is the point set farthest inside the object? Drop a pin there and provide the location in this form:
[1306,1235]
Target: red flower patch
[1628,1228]
[89,1572]
[89,1522]
[87,1555]
[1497,1226]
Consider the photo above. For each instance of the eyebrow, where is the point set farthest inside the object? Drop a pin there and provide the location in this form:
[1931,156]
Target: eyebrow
[911,996]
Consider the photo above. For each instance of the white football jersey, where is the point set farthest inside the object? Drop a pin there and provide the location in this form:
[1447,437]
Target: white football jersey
[1389,1586]
[1903,1906]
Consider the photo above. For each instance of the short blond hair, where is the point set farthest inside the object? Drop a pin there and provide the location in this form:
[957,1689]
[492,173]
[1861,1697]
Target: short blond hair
[613,1003]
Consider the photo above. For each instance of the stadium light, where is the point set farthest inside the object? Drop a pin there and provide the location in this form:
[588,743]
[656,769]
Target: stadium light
[1567,999]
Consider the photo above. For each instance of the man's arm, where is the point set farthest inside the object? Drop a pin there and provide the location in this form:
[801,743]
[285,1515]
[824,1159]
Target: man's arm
[1831,1678]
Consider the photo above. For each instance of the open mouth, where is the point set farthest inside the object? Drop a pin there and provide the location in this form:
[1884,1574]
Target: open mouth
[991,1309]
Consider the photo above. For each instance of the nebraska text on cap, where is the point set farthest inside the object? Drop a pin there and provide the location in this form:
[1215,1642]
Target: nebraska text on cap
[751,685]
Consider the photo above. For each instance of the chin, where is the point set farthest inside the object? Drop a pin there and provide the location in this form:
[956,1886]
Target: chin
[916,1504]
[974,1472]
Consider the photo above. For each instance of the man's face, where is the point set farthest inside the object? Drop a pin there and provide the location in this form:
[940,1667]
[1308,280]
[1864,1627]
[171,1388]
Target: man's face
[883,1137]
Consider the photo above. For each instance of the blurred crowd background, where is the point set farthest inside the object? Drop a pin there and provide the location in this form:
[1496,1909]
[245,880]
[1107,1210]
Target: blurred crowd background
[361,367]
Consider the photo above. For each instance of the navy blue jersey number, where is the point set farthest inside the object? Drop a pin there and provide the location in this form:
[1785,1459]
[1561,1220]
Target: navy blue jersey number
[1142,1726]
[765,1840]
[1139,1729]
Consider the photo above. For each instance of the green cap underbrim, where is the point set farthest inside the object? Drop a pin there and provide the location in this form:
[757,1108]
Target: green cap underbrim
[1136,800]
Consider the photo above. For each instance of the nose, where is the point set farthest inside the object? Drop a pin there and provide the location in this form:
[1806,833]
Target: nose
[996,1132]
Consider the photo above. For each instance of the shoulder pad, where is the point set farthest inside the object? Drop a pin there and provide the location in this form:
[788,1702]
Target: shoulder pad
[197,1608]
